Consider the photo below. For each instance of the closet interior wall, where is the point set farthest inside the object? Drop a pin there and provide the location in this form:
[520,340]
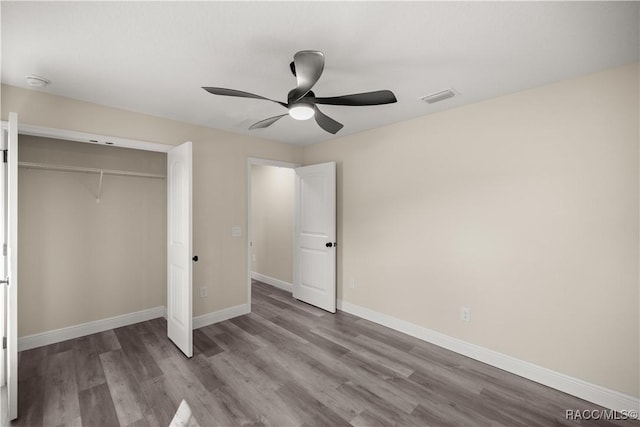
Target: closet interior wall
[88,250]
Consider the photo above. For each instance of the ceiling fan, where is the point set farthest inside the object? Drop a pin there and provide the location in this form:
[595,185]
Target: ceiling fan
[307,67]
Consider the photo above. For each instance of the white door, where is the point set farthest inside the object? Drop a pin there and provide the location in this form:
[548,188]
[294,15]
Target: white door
[179,235]
[9,290]
[4,290]
[314,276]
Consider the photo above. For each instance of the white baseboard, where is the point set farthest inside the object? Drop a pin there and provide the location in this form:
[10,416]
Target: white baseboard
[4,410]
[57,335]
[220,315]
[281,284]
[591,392]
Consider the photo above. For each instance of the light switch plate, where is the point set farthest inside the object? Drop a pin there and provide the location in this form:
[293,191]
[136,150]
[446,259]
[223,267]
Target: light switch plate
[236,231]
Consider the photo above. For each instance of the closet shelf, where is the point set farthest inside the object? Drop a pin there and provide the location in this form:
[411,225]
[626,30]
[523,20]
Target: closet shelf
[61,168]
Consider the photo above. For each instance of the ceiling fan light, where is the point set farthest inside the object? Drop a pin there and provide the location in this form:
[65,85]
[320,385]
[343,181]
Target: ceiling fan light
[301,111]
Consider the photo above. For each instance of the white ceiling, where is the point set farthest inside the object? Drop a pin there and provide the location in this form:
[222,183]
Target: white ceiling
[153,57]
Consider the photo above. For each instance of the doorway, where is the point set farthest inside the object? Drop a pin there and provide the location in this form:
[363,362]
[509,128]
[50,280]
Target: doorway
[91,244]
[310,238]
[270,230]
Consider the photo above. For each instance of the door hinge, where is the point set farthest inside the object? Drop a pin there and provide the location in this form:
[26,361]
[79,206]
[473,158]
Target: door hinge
[4,249]
[5,154]
[4,342]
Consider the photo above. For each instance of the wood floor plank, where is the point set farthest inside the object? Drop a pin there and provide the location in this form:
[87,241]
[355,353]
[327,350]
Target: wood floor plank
[30,401]
[205,345]
[298,306]
[368,419]
[249,372]
[259,402]
[306,334]
[199,366]
[385,335]
[238,334]
[339,402]
[159,346]
[264,310]
[137,356]
[59,347]
[185,385]
[319,380]
[272,364]
[367,352]
[401,400]
[447,416]
[322,367]
[406,359]
[61,406]
[278,336]
[236,407]
[309,409]
[123,387]
[249,324]
[105,341]
[234,339]
[430,353]
[32,363]
[440,395]
[89,371]
[381,408]
[160,401]
[96,407]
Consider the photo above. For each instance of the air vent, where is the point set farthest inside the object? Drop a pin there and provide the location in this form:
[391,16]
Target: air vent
[438,96]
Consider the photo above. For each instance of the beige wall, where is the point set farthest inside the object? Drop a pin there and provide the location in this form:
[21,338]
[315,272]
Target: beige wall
[80,260]
[272,190]
[524,208]
[219,180]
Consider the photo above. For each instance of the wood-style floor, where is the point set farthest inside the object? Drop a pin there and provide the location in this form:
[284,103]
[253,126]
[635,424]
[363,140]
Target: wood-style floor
[285,364]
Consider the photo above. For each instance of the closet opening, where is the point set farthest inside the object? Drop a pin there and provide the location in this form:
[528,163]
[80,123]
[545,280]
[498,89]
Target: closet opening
[92,232]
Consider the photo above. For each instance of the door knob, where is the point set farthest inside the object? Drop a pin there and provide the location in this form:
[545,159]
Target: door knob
[195,258]
[330,245]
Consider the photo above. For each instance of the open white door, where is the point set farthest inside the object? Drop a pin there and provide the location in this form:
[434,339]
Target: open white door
[314,275]
[9,200]
[179,235]
[4,290]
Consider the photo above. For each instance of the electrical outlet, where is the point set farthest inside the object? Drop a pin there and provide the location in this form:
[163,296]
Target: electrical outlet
[352,284]
[465,314]
[203,292]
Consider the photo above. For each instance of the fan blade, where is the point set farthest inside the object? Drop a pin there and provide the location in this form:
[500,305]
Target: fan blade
[368,98]
[232,92]
[308,67]
[326,122]
[266,122]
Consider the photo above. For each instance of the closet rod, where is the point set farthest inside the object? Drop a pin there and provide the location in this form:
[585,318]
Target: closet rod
[44,166]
